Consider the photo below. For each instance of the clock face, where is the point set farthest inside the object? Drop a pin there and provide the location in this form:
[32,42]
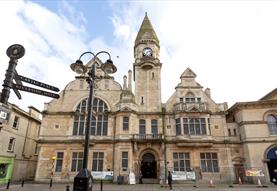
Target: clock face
[147,52]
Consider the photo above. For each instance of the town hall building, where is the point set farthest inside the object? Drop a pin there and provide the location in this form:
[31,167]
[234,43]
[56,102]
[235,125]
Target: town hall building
[133,131]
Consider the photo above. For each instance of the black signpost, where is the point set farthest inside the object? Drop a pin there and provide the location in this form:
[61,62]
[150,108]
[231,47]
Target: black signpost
[15,52]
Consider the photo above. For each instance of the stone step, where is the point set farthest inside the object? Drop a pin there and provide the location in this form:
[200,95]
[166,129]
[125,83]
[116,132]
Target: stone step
[150,181]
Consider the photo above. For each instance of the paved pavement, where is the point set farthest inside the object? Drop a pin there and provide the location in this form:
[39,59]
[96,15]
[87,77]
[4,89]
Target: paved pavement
[137,187]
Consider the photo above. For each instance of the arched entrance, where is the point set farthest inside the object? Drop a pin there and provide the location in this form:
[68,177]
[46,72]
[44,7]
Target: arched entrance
[272,158]
[148,166]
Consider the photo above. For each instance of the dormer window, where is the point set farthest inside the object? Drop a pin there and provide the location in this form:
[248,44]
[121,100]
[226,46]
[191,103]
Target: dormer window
[190,98]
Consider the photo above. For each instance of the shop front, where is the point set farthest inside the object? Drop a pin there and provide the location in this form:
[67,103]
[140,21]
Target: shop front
[6,168]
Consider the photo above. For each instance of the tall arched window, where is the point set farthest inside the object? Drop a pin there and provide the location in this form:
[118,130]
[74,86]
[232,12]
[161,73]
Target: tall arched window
[142,129]
[154,126]
[272,124]
[99,118]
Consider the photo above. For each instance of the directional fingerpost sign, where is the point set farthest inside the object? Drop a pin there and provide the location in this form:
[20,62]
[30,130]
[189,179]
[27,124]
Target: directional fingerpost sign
[15,52]
[35,91]
[36,83]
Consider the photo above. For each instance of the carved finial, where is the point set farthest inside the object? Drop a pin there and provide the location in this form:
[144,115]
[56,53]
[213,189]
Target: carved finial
[124,82]
[145,13]
[130,80]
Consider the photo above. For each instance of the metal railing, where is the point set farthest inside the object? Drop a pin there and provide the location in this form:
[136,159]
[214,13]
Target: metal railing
[225,175]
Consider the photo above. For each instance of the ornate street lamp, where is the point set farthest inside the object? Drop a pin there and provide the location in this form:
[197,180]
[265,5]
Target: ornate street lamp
[83,180]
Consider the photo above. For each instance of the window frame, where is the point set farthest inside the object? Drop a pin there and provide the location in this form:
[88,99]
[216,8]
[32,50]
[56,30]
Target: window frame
[178,126]
[78,160]
[99,118]
[182,161]
[272,124]
[142,126]
[194,126]
[209,164]
[154,126]
[16,122]
[59,159]
[125,123]
[98,160]
[124,160]
[11,145]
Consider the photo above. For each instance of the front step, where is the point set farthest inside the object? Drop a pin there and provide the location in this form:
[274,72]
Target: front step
[150,181]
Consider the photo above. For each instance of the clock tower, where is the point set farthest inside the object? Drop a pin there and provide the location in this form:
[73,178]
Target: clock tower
[147,68]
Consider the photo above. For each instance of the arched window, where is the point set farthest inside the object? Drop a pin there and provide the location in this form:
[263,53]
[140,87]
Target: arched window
[154,126]
[142,129]
[272,124]
[99,118]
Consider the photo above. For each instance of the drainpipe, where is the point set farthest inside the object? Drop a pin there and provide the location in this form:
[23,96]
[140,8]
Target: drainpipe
[25,139]
[164,142]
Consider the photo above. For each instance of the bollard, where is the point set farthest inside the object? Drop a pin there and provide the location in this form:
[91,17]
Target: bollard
[101,185]
[67,188]
[22,183]
[51,181]
[8,184]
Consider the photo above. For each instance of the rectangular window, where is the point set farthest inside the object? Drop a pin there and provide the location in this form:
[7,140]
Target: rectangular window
[36,149]
[125,123]
[105,126]
[124,162]
[81,125]
[77,161]
[16,122]
[75,125]
[229,132]
[194,126]
[235,132]
[97,161]
[142,127]
[209,126]
[59,162]
[190,99]
[11,144]
[178,126]
[186,126]
[181,161]
[92,125]
[209,162]
[154,126]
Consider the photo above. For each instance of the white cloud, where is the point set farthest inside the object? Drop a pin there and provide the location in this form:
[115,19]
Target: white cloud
[230,45]
[51,41]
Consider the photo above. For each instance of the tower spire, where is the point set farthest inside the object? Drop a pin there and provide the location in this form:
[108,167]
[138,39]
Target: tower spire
[146,32]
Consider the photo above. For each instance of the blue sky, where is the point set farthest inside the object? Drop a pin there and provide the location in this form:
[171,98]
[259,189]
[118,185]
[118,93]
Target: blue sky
[96,15]
[230,45]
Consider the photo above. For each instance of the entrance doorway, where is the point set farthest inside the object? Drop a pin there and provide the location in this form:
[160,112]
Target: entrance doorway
[148,166]
[272,164]
[239,172]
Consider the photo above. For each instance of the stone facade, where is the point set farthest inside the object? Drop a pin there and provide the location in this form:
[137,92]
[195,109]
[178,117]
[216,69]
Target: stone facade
[18,148]
[136,132]
[256,123]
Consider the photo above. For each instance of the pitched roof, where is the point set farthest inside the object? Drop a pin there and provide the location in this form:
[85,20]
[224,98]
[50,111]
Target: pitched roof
[188,73]
[271,95]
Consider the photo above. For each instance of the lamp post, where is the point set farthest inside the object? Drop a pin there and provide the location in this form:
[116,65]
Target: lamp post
[83,180]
